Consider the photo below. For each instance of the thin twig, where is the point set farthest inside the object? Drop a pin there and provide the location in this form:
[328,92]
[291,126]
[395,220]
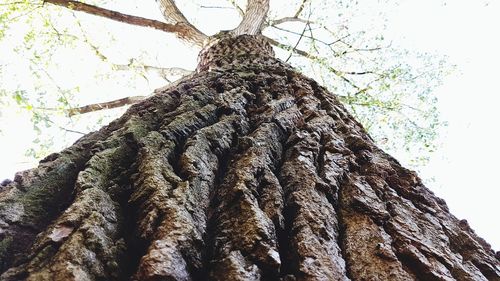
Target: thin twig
[287,19]
[298,41]
[301,7]
[296,33]
[24,14]
[313,57]
[66,100]
[238,8]
[14,3]
[215,7]
[105,105]
[63,128]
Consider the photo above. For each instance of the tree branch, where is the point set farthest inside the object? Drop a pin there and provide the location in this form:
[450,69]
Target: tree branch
[133,63]
[63,128]
[301,34]
[216,7]
[298,41]
[15,3]
[307,25]
[291,19]
[173,15]
[162,71]
[181,30]
[320,60]
[105,105]
[254,18]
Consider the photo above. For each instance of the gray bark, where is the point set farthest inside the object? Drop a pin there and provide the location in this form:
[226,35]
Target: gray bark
[246,170]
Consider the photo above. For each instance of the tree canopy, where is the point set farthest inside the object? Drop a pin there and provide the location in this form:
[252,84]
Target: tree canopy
[67,60]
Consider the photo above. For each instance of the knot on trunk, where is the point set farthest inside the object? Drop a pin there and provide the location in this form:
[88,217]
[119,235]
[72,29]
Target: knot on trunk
[224,49]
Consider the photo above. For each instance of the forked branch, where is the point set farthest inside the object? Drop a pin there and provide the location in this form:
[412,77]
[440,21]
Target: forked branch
[105,105]
[338,73]
[173,15]
[237,7]
[181,29]
[294,18]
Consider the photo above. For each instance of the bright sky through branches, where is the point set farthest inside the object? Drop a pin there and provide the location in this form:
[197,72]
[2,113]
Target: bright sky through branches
[465,166]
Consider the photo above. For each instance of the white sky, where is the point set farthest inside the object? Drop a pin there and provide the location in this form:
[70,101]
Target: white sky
[465,167]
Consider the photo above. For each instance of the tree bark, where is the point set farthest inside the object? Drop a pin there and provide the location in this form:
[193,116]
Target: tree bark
[246,170]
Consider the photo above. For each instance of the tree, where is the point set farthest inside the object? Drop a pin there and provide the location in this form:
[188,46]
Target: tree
[385,87]
[243,170]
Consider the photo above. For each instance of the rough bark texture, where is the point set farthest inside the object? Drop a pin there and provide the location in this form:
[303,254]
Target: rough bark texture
[245,171]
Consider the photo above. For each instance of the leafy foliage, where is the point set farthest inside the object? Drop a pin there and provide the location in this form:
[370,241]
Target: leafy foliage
[58,60]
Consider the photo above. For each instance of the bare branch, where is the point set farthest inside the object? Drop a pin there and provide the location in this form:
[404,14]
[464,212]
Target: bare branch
[307,25]
[254,18]
[24,14]
[301,8]
[295,18]
[301,34]
[173,15]
[287,19]
[360,72]
[181,30]
[339,40]
[16,3]
[288,48]
[216,7]
[61,91]
[105,105]
[354,50]
[133,63]
[63,128]
[238,8]
[320,60]
[47,119]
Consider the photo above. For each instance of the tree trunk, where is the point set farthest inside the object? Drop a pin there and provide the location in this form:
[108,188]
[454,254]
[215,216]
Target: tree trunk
[246,170]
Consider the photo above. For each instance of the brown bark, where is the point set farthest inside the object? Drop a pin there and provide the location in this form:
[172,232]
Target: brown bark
[247,170]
